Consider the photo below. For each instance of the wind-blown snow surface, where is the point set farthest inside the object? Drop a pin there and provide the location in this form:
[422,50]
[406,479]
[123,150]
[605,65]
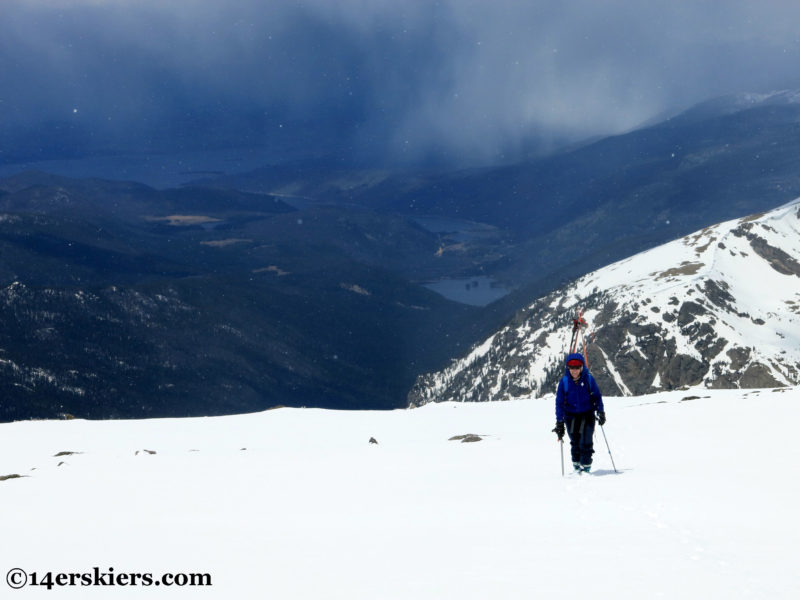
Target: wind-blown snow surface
[704,505]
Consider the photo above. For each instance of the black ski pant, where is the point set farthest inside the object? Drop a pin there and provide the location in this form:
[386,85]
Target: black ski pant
[580,429]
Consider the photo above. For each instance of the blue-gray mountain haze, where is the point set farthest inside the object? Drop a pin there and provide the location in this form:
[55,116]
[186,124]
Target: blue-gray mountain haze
[212,207]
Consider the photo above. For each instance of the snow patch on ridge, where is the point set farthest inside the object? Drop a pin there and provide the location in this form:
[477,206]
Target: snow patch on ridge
[617,379]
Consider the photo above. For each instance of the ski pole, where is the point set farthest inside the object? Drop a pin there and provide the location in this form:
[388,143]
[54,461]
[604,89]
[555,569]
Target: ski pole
[609,451]
[561,442]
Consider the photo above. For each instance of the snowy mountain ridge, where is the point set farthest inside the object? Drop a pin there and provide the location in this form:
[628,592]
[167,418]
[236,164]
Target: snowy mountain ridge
[719,308]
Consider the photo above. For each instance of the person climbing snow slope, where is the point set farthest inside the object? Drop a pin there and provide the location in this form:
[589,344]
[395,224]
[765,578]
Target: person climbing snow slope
[577,400]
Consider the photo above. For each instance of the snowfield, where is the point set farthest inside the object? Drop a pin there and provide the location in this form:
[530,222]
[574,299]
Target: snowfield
[297,504]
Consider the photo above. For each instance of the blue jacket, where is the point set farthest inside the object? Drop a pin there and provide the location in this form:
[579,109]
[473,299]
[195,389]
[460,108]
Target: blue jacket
[575,397]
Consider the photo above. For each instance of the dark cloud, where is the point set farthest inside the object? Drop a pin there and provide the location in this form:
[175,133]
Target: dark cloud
[468,81]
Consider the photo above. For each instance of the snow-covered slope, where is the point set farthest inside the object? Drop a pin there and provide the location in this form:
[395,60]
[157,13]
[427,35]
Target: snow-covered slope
[718,308]
[297,504]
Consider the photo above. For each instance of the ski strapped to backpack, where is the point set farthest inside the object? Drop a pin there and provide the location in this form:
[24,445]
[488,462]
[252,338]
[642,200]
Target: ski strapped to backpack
[578,337]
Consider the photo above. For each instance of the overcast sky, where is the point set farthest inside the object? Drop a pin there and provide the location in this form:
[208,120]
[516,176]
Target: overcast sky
[466,81]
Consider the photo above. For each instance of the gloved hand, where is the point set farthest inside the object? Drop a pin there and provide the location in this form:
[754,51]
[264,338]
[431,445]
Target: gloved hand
[559,430]
[601,418]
